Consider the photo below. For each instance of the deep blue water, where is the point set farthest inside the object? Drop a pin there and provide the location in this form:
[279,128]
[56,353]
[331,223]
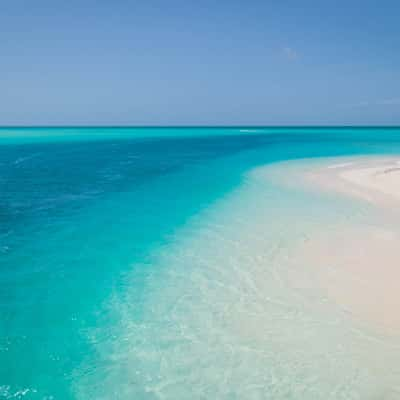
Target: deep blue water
[77,217]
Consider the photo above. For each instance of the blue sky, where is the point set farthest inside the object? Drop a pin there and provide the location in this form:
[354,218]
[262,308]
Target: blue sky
[199,62]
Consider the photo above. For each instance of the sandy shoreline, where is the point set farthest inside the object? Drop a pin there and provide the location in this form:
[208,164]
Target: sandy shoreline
[376,180]
[356,266]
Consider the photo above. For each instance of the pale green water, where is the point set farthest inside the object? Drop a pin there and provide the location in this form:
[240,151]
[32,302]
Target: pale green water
[152,265]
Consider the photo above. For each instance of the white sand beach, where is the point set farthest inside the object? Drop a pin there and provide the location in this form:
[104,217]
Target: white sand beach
[376,180]
[358,266]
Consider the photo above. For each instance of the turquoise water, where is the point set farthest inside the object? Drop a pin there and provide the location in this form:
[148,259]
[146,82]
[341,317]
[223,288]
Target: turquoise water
[124,251]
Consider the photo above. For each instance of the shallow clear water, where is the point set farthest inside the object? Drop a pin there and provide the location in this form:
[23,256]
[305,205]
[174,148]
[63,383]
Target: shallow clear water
[150,263]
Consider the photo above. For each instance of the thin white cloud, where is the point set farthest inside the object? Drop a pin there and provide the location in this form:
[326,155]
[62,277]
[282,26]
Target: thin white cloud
[390,102]
[382,102]
[289,53]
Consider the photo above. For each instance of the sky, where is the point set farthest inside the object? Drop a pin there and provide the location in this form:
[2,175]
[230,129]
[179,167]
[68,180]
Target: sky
[220,62]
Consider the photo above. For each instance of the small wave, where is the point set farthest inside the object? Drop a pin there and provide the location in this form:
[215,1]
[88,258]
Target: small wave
[4,249]
[20,160]
[113,177]
[7,393]
[250,130]
[64,198]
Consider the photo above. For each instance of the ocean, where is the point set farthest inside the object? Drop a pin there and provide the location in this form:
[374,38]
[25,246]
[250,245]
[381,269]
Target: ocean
[150,263]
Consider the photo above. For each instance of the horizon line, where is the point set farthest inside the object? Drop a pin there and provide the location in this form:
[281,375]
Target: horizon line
[196,126]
